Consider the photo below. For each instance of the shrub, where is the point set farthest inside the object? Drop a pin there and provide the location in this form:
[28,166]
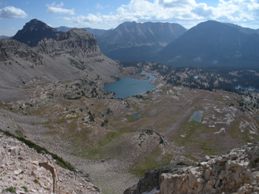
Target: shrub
[10,189]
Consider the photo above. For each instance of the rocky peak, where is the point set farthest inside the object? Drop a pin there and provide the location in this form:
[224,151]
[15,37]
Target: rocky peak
[35,24]
[34,31]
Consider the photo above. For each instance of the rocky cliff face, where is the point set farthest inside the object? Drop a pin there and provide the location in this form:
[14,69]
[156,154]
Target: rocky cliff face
[236,172]
[23,170]
[75,42]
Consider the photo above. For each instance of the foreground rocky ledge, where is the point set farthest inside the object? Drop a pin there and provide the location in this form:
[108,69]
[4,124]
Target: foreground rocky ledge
[23,170]
[236,172]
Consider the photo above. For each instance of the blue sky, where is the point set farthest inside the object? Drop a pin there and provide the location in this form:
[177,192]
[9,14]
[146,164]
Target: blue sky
[109,13]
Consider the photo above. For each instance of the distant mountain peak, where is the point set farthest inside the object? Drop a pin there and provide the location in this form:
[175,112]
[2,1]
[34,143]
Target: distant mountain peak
[34,31]
[35,24]
[133,23]
[213,43]
[34,21]
[211,24]
[132,41]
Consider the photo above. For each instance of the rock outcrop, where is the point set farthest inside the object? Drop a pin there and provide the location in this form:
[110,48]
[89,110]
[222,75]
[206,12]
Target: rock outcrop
[236,172]
[23,170]
[76,42]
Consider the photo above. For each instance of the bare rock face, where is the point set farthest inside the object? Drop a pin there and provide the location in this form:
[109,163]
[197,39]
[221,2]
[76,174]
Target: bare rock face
[11,48]
[236,172]
[23,170]
[76,42]
[147,184]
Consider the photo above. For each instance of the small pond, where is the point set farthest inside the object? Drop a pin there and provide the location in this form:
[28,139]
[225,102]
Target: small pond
[197,116]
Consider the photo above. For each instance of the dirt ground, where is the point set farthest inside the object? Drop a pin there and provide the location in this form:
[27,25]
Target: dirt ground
[116,141]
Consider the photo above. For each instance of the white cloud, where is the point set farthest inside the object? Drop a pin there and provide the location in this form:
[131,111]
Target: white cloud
[59,9]
[12,12]
[186,12]
[236,10]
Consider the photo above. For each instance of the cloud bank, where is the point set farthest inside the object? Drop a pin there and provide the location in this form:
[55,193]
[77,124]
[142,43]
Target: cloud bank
[186,12]
[59,9]
[12,12]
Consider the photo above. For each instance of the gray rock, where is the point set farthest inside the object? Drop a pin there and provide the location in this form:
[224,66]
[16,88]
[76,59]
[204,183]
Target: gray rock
[236,172]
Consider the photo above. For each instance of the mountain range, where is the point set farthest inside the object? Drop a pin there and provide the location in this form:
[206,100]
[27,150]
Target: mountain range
[208,44]
[132,41]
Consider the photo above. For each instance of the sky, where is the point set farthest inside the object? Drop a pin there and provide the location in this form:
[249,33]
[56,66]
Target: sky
[106,14]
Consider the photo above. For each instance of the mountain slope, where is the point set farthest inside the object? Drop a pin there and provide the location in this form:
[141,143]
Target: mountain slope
[34,31]
[70,56]
[133,41]
[19,160]
[214,44]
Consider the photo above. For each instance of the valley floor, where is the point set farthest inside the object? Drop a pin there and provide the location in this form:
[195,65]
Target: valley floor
[116,141]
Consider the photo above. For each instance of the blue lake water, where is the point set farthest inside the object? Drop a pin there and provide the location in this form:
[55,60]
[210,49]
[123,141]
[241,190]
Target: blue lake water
[129,86]
[197,116]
